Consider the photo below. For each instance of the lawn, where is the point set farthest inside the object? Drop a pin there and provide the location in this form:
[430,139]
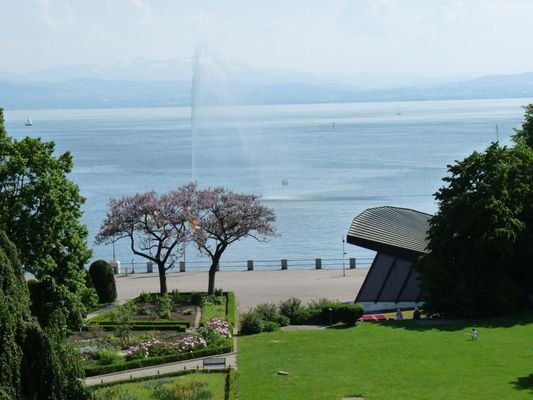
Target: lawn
[192,386]
[391,360]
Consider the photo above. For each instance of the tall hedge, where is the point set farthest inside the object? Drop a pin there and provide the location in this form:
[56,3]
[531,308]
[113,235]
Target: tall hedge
[103,280]
[35,364]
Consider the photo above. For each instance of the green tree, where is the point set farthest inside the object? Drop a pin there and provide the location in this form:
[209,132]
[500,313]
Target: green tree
[525,135]
[40,211]
[480,258]
[35,364]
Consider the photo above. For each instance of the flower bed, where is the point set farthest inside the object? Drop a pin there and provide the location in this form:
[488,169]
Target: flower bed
[156,347]
[137,341]
[104,355]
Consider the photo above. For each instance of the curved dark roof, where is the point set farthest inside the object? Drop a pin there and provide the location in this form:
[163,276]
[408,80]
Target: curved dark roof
[391,230]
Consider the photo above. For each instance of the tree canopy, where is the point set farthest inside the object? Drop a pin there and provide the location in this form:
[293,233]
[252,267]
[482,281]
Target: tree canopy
[35,363]
[154,225]
[158,227]
[40,211]
[225,217]
[480,261]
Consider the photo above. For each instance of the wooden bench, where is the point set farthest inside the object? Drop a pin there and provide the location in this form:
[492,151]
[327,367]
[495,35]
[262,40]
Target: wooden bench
[214,362]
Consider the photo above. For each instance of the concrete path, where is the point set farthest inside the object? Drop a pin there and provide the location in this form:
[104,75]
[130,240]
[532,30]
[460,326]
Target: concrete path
[231,361]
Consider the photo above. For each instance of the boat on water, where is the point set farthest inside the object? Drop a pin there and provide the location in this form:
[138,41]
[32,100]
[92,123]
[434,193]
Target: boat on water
[29,122]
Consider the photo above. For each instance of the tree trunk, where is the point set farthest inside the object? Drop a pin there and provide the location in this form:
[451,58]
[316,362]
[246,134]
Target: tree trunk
[162,278]
[213,270]
[211,286]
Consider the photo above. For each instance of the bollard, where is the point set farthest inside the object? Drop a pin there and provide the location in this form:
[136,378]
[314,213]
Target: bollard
[352,263]
[149,267]
[284,263]
[182,266]
[318,263]
[330,316]
[250,264]
[116,266]
[132,266]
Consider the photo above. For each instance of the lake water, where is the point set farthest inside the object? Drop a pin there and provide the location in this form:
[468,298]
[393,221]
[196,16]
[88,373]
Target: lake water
[338,159]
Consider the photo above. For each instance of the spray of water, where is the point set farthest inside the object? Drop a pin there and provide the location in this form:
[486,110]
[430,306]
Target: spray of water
[225,148]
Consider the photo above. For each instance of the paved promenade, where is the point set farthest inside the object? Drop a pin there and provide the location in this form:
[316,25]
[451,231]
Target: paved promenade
[254,287]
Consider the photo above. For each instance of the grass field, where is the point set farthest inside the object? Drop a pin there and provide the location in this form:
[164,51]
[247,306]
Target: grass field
[147,389]
[391,360]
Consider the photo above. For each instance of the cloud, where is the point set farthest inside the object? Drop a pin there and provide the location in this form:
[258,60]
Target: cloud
[143,9]
[54,13]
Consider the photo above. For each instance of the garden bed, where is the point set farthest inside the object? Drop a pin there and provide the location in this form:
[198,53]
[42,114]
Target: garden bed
[150,330]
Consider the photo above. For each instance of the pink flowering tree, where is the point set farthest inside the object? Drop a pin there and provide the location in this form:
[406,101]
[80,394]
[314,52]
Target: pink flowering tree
[225,217]
[155,226]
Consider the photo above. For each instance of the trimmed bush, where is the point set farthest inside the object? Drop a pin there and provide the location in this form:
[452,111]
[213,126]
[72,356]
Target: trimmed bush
[231,308]
[104,281]
[251,323]
[270,326]
[196,298]
[346,313]
[291,308]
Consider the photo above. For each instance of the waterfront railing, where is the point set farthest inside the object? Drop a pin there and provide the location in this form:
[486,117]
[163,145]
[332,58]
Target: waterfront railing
[132,267]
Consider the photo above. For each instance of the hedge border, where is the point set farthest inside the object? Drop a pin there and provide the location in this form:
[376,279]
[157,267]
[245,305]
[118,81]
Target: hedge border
[95,370]
[153,327]
[231,308]
[230,385]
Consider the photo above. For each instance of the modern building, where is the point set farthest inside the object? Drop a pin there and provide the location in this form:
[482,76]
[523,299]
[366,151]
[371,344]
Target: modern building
[399,236]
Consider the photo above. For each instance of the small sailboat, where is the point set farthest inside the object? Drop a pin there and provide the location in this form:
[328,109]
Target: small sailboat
[29,122]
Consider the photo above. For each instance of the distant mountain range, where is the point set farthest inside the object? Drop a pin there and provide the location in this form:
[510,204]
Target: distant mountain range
[146,83]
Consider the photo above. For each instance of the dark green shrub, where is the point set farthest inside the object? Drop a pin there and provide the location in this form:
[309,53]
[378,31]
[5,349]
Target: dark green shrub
[231,308]
[40,294]
[270,326]
[165,306]
[302,317]
[104,281]
[347,313]
[290,308]
[89,297]
[251,323]
[147,297]
[212,300]
[196,298]
[107,356]
[268,312]
[318,310]
[176,296]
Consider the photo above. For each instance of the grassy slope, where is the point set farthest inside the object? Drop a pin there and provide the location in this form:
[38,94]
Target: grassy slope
[395,360]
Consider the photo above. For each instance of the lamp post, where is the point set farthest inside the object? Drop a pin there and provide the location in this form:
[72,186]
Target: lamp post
[343,254]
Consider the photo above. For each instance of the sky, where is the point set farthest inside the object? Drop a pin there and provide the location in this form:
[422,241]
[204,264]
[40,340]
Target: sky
[339,37]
